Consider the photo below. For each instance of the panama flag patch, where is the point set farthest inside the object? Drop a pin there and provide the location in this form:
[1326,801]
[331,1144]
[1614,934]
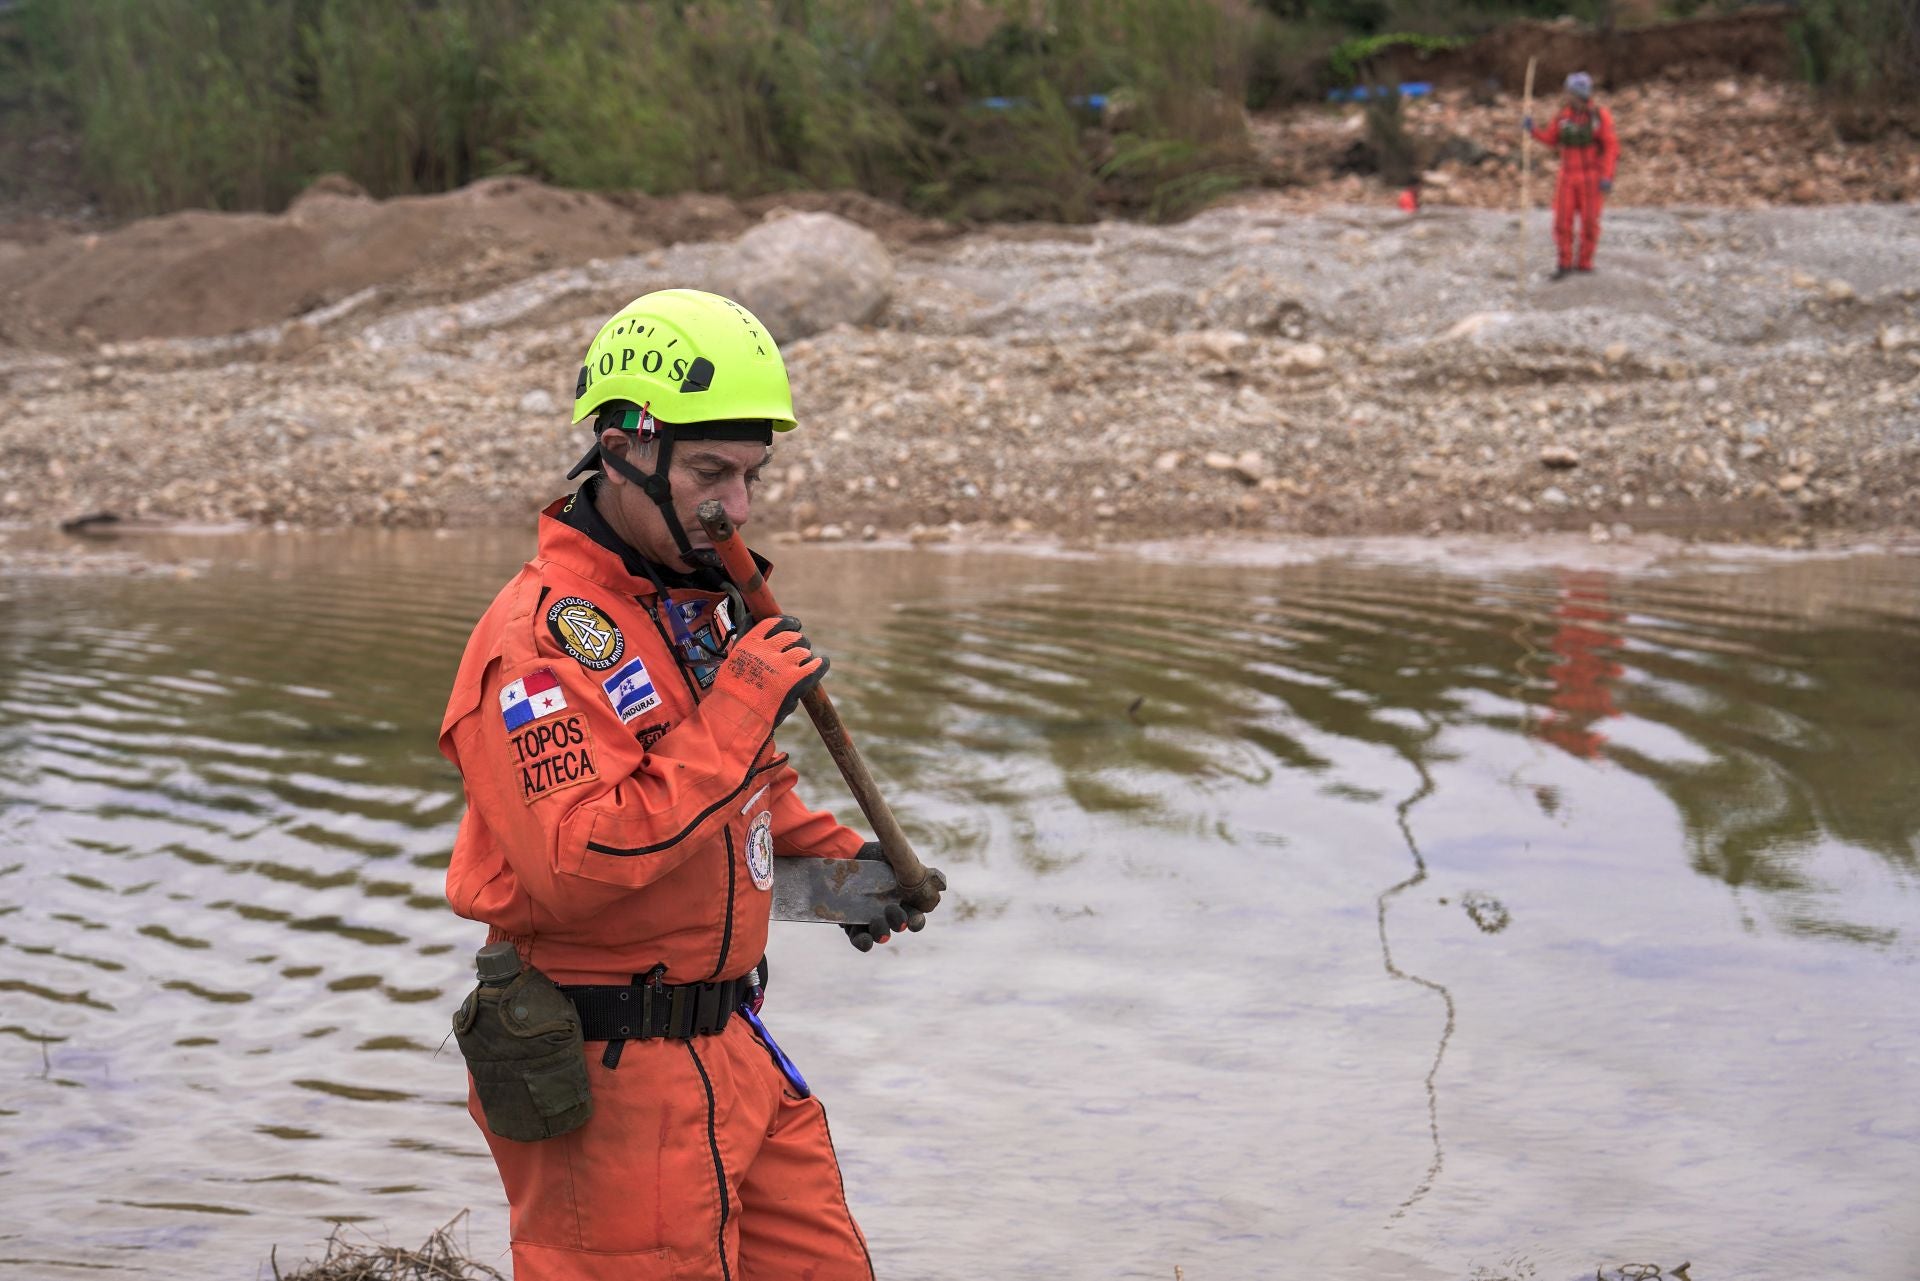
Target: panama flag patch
[631,691]
[534,695]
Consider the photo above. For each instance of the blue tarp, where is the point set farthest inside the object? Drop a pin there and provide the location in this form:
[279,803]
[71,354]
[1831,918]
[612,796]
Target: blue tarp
[1360,93]
[1091,101]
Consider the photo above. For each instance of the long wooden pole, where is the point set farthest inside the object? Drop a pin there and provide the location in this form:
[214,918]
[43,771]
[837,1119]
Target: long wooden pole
[1526,176]
[920,886]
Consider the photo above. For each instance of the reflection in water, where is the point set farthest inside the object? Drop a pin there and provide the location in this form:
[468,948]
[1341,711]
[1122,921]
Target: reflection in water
[1583,677]
[1170,965]
[1401,812]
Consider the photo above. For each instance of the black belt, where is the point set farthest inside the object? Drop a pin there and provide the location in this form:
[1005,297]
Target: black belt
[642,1011]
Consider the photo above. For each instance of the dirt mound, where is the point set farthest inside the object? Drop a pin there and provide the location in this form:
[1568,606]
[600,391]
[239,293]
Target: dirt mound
[1751,42]
[693,216]
[199,274]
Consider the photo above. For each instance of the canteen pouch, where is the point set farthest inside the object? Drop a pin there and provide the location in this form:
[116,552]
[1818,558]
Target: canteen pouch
[523,1047]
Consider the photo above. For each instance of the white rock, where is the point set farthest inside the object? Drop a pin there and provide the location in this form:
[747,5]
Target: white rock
[1301,357]
[1476,324]
[806,272]
[1229,346]
[1251,465]
[537,401]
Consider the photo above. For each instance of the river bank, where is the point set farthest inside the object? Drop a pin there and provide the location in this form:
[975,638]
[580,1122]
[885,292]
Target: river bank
[1290,362]
[1254,369]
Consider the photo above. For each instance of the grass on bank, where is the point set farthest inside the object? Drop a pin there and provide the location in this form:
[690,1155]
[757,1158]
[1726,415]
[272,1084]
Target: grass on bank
[962,107]
[1864,55]
[971,108]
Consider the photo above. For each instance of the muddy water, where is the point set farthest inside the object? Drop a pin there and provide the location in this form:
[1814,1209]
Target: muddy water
[1344,918]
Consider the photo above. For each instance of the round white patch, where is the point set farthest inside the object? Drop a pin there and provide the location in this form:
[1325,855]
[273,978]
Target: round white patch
[760,850]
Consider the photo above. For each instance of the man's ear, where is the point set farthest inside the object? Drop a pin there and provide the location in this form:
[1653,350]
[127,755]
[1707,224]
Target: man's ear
[615,441]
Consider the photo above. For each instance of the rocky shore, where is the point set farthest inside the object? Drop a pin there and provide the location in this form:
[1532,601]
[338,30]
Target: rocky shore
[1265,368]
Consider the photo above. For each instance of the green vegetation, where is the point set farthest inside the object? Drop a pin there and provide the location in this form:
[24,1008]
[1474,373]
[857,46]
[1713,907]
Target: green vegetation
[967,107]
[1059,109]
[1865,55]
[1350,58]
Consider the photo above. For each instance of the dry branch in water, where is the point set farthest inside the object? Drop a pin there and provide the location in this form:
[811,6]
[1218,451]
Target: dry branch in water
[439,1259]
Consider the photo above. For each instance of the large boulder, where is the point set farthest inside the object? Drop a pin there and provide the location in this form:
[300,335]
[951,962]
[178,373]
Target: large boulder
[801,273]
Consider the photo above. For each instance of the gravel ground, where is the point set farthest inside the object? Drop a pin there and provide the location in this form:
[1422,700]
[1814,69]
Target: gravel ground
[1253,370]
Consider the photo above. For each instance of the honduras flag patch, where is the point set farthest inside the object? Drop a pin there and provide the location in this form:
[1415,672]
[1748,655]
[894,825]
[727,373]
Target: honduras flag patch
[631,692]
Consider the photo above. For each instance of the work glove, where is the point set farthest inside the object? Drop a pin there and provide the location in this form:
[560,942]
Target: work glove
[772,667]
[1606,186]
[896,917]
[1526,124]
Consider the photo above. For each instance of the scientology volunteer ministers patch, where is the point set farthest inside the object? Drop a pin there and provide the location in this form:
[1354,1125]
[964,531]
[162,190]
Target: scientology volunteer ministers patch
[586,633]
[552,754]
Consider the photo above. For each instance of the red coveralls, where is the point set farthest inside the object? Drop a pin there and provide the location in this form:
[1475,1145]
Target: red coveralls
[1588,153]
[621,816]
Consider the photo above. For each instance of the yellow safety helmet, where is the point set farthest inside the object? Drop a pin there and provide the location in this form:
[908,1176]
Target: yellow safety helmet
[680,364]
[686,357]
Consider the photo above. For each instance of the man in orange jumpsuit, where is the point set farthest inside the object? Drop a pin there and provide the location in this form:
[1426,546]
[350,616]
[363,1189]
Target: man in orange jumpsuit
[613,722]
[1589,153]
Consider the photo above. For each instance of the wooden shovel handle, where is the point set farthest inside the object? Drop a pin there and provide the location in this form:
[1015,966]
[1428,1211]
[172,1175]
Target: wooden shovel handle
[919,888]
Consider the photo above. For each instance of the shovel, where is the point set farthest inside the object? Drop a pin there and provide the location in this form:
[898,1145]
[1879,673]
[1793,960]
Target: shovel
[918,887]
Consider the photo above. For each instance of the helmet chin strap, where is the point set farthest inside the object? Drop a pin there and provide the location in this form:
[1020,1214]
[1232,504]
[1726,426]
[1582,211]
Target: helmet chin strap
[642,426]
[659,490]
[653,486]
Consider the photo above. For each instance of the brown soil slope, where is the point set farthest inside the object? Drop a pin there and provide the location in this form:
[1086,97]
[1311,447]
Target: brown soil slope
[197,274]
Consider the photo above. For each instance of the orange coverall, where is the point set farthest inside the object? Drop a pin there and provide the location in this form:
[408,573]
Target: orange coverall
[622,814]
[1589,152]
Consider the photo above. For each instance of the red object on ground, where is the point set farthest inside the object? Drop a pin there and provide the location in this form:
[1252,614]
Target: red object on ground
[1589,152]
[1409,201]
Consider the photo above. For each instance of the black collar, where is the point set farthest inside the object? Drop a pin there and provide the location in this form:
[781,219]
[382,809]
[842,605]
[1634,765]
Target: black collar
[582,515]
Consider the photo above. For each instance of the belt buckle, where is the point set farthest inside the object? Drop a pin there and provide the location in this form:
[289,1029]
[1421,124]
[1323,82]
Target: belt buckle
[647,991]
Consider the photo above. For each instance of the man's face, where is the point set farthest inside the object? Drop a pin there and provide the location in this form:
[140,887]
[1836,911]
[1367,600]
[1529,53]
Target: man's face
[702,469]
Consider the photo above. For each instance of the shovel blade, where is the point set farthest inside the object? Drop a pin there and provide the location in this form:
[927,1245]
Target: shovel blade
[832,891]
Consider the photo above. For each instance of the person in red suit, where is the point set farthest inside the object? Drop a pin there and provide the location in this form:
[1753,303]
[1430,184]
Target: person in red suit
[1589,152]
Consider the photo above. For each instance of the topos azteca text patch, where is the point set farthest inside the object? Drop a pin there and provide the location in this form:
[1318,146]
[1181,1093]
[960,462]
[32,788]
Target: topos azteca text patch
[553,754]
